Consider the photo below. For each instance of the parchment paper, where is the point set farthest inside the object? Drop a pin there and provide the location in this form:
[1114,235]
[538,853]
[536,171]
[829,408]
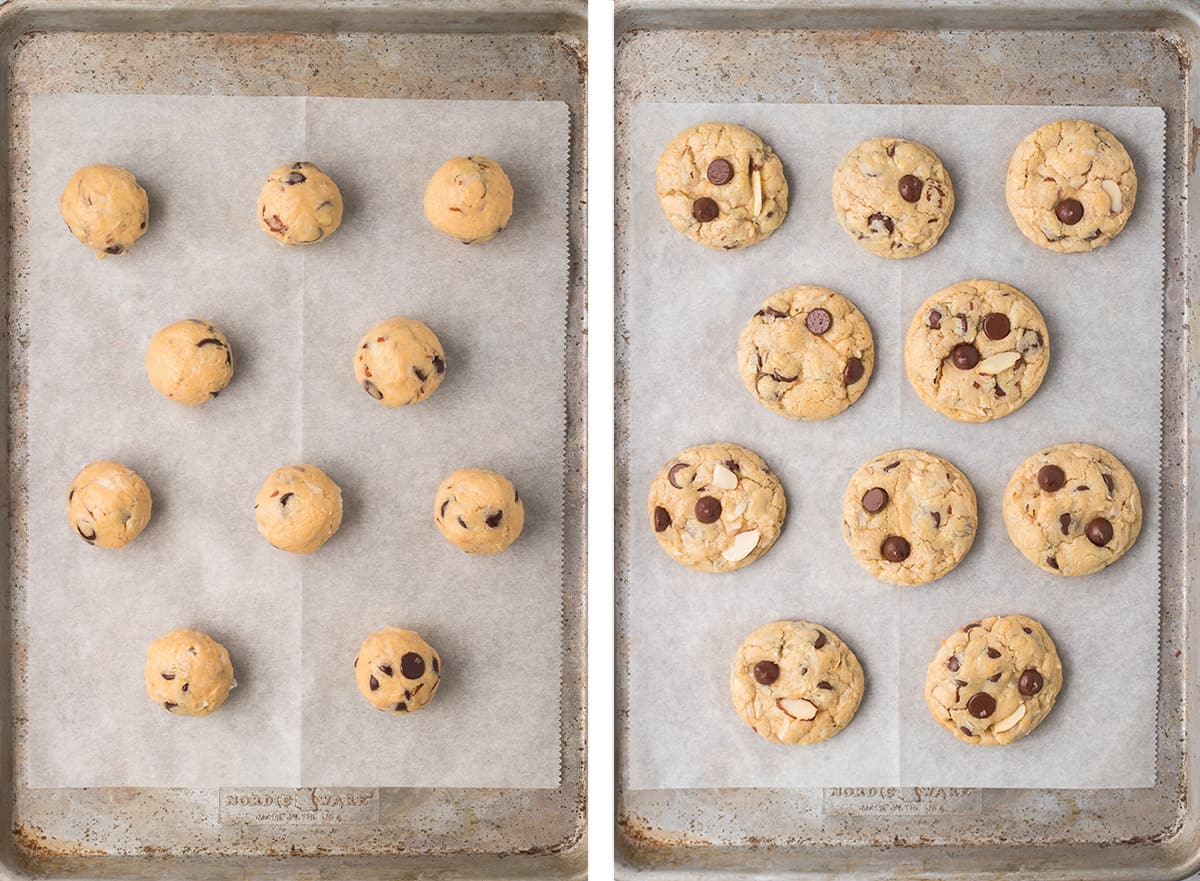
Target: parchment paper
[294,624]
[688,304]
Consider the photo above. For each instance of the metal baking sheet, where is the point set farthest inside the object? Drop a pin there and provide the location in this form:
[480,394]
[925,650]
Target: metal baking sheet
[433,49]
[1090,52]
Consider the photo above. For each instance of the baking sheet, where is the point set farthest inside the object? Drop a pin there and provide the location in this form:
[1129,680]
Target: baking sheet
[687,305]
[293,624]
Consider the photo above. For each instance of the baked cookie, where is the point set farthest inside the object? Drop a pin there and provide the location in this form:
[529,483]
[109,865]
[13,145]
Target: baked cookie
[977,350]
[721,186]
[1071,186]
[716,507]
[894,197]
[298,508]
[299,204]
[108,505]
[994,681]
[397,671]
[189,673]
[909,517]
[399,361]
[479,511]
[469,198]
[1072,509]
[105,208]
[807,353]
[189,361]
[795,682]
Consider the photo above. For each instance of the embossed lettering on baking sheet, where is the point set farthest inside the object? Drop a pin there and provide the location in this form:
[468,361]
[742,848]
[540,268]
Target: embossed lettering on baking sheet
[901,800]
[305,806]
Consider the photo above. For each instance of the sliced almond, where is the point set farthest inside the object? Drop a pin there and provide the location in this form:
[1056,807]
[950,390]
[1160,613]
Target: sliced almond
[742,545]
[756,185]
[741,507]
[797,708]
[997,364]
[1009,721]
[1115,202]
[723,478]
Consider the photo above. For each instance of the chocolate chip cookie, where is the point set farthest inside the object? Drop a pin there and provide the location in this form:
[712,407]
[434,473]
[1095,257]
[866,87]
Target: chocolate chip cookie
[894,197]
[399,361]
[105,208]
[108,505]
[189,361]
[298,508]
[1072,509]
[807,353]
[977,350]
[469,198]
[721,186]
[397,671]
[795,682]
[1071,186]
[299,204]
[994,681]
[909,517]
[188,673]
[479,511]
[716,507]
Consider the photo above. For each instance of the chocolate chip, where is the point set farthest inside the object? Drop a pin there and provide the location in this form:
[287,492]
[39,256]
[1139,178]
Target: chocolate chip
[1027,630]
[88,538]
[895,464]
[992,653]
[779,377]
[995,677]
[675,469]
[420,374]
[953,664]
[209,341]
[462,523]
[895,549]
[412,665]
[964,356]
[819,642]
[372,390]
[1030,683]
[853,371]
[356,663]
[662,519]
[169,705]
[981,705]
[1052,562]
[493,519]
[1051,478]
[114,249]
[283,499]
[937,519]
[818,321]
[971,626]
[1099,532]
[1069,211]
[168,676]
[934,319]
[766,672]
[774,313]
[385,669]
[402,707]
[1064,523]
[996,326]
[1108,481]
[435,664]
[824,685]
[965,730]
[705,209]
[879,221]
[374,683]
[732,465]
[297,165]
[445,504]
[708,509]
[875,500]
[294,178]
[438,364]
[720,172]
[910,188]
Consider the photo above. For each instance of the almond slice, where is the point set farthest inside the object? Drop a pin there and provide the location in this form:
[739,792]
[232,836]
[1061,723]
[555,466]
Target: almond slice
[997,364]
[741,507]
[743,544]
[1009,721]
[756,185]
[1115,202]
[723,478]
[797,708]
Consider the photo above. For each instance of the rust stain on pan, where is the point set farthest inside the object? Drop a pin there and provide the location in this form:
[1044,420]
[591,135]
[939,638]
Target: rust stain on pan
[639,832]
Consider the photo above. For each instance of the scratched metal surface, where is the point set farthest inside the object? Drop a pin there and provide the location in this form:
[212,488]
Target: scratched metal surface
[444,49]
[938,52]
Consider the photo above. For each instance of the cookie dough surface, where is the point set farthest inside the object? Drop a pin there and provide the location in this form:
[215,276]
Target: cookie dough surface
[188,673]
[108,505]
[807,353]
[1072,509]
[298,508]
[909,517]
[894,197]
[105,208]
[299,204]
[479,511]
[994,681]
[977,350]
[399,361]
[397,671]
[796,682]
[469,198]
[721,186]
[189,361]
[716,507]
[1071,186]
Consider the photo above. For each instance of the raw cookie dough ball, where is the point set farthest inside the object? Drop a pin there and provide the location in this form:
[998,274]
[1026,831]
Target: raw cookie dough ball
[469,198]
[1071,186]
[909,517]
[399,361]
[994,681]
[189,361]
[108,504]
[105,208]
[893,197]
[299,204]
[1072,509]
[807,353]
[977,350]
[721,186]
[397,671]
[299,508]
[189,673]
[716,507]
[479,511]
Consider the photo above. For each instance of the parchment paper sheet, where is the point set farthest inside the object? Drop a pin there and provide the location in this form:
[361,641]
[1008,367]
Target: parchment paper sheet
[294,624]
[688,304]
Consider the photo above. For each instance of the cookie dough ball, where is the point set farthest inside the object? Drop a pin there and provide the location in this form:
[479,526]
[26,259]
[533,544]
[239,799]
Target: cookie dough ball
[399,361]
[994,681]
[105,208]
[299,204]
[893,197]
[716,507]
[108,504]
[721,186]
[469,198]
[977,350]
[1071,186]
[397,671]
[807,353]
[299,508]
[796,682]
[189,361]
[1072,509]
[189,673]
[909,517]
[479,511]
